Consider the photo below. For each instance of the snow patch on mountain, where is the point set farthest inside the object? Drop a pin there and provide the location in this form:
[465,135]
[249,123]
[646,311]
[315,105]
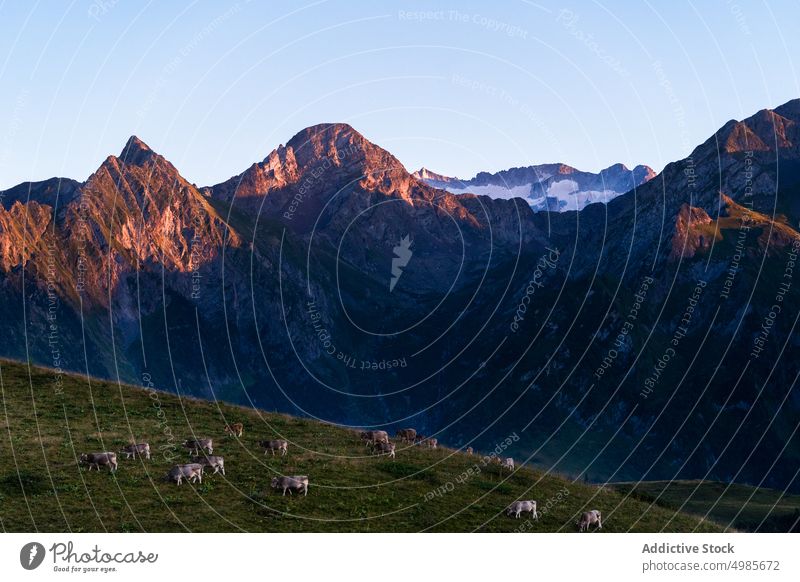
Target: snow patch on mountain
[494,191]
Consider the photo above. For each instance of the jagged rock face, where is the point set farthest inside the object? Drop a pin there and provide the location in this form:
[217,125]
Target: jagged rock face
[23,230]
[239,291]
[765,131]
[278,170]
[690,236]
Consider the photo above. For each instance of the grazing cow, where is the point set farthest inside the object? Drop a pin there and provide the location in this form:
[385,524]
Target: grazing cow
[235,429]
[140,450]
[519,507]
[297,483]
[433,443]
[469,450]
[97,459]
[192,472]
[508,463]
[195,446]
[419,439]
[407,435]
[215,462]
[590,518]
[382,448]
[276,445]
[374,436]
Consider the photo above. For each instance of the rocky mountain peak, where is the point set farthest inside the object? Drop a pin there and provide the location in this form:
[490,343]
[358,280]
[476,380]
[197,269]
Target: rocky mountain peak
[643,173]
[341,146]
[426,175]
[325,133]
[766,131]
[139,179]
[564,169]
[333,150]
[136,151]
[616,168]
[640,173]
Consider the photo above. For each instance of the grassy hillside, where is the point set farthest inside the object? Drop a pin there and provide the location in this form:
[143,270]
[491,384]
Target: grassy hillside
[743,507]
[44,426]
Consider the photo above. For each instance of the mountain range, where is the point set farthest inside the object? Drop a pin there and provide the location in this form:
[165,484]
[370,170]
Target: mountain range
[648,337]
[551,187]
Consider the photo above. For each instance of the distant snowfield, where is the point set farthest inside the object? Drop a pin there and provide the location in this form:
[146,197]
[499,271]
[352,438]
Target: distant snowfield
[562,195]
[496,191]
[571,198]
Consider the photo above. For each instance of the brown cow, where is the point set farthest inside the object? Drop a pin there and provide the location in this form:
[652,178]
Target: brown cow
[195,446]
[382,448]
[276,445]
[374,436]
[235,429]
[407,435]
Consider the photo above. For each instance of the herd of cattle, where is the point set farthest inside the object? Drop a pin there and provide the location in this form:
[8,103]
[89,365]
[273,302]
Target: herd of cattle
[202,457]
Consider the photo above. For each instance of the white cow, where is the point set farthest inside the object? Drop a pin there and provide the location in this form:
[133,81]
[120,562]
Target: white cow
[213,461]
[590,518]
[297,483]
[141,450]
[519,507]
[191,472]
[508,463]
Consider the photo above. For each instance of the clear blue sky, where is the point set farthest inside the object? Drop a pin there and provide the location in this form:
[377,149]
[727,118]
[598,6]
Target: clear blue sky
[469,86]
